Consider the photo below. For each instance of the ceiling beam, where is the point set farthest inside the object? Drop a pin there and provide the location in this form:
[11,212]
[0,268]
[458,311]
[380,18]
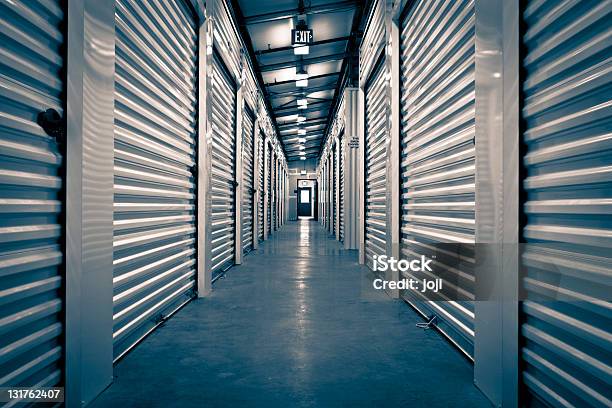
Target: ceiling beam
[307,147]
[302,62]
[327,87]
[292,81]
[305,123]
[296,111]
[312,44]
[280,15]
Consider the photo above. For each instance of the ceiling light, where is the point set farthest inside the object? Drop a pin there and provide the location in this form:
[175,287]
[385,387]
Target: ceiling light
[302,147]
[303,153]
[302,102]
[301,140]
[301,131]
[301,119]
[301,50]
[303,158]
[301,78]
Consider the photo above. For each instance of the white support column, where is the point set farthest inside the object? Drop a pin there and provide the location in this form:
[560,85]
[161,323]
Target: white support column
[204,157]
[496,347]
[89,199]
[394,220]
[361,172]
[353,147]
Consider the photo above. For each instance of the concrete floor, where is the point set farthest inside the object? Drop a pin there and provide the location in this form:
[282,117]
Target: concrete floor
[298,324]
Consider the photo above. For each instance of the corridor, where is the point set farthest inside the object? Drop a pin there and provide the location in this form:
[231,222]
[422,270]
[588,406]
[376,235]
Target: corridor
[298,324]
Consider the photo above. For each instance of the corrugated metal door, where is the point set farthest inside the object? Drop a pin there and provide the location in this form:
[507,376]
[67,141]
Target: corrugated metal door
[334,188]
[154,212]
[341,159]
[269,189]
[375,164]
[247,179]
[260,187]
[223,179]
[566,320]
[438,162]
[31,180]
[274,167]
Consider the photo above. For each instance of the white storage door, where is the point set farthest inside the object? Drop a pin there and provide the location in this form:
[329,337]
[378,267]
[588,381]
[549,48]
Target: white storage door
[247,179]
[566,323]
[261,186]
[341,160]
[269,189]
[375,164]
[154,199]
[334,190]
[223,178]
[438,156]
[31,180]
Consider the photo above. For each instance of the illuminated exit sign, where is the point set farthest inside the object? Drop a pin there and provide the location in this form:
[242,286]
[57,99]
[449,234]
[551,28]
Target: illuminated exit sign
[301,37]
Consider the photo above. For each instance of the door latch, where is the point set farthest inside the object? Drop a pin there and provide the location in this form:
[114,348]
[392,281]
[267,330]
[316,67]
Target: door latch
[53,124]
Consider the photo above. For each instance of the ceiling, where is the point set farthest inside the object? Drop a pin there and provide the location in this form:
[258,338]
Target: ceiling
[267,25]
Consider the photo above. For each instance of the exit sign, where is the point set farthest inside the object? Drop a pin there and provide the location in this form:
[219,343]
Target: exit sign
[301,37]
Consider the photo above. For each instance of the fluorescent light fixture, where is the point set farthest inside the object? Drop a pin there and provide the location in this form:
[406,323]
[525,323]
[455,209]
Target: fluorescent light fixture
[303,158]
[303,153]
[301,119]
[301,78]
[301,50]
[301,140]
[302,103]
[301,131]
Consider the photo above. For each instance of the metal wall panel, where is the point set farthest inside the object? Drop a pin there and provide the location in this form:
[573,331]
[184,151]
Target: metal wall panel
[248,180]
[260,185]
[31,180]
[154,217]
[438,155]
[375,162]
[566,321]
[223,179]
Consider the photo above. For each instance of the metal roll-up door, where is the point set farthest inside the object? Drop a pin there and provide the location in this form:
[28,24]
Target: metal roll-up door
[327,193]
[31,201]
[223,180]
[274,189]
[154,198]
[247,179]
[438,157]
[260,186]
[269,189]
[334,188]
[566,320]
[341,160]
[375,164]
